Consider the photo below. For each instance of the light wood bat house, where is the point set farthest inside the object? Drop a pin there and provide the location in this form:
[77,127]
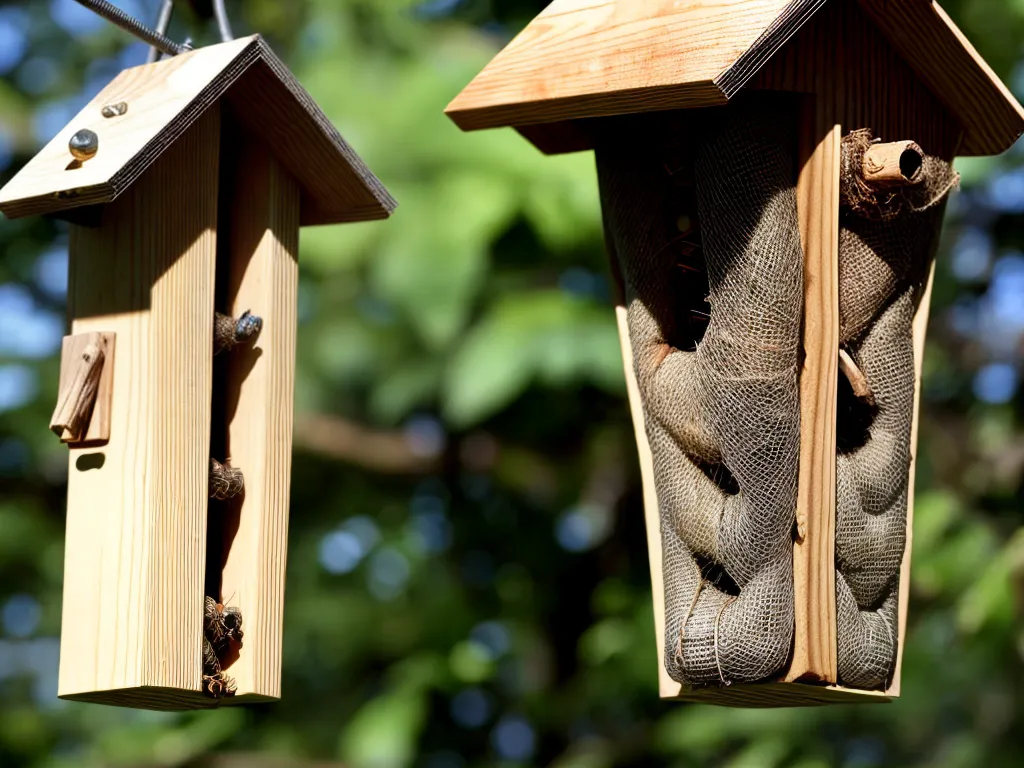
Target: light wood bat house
[207,165]
[758,120]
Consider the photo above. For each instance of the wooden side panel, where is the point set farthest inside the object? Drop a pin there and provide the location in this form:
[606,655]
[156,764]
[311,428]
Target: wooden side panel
[920,335]
[858,81]
[667,687]
[262,276]
[136,523]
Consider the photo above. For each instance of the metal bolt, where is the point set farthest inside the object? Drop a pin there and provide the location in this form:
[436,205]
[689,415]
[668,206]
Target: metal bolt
[115,15]
[84,145]
[115,110]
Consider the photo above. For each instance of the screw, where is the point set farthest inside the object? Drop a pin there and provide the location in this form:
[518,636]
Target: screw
[84,145]
[115,110]
[115,15]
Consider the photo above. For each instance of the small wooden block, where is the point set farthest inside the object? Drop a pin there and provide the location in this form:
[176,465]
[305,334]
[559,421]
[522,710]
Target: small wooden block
[82,415]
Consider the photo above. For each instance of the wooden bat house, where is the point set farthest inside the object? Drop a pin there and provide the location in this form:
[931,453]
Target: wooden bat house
[185,183]
[873,95]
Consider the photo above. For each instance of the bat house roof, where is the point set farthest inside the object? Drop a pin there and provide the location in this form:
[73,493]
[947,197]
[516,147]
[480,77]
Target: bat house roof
[165,98]
[596,58]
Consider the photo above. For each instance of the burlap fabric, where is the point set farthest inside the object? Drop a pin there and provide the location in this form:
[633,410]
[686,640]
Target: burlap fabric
[722,411]
[888,238]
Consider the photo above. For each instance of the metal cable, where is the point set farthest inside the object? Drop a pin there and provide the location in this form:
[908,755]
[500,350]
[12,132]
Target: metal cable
[115,15]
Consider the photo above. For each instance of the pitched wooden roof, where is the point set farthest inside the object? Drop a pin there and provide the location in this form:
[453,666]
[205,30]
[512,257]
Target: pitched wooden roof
[594,58]
[167,97]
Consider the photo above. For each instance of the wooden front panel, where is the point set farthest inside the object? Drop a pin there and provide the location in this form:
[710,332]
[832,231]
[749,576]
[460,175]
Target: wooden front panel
[136,521]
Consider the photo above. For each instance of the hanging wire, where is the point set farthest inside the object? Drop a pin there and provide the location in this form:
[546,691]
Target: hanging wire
[223,25]
[162,23]
[115,15]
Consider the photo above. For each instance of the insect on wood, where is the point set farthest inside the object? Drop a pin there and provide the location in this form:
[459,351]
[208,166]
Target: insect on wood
[222,634]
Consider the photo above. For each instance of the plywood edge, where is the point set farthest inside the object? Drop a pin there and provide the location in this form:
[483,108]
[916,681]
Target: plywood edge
[781,694]
[151,697]
[778,33]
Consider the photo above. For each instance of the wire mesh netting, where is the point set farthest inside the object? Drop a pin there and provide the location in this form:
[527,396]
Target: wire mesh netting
[887,242]
[701,221]
[709,201]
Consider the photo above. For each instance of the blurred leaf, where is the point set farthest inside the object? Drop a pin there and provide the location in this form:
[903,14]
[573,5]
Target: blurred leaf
[548,335]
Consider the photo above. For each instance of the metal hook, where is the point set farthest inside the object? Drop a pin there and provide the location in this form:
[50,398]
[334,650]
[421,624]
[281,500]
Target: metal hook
[223,25]
[220,14]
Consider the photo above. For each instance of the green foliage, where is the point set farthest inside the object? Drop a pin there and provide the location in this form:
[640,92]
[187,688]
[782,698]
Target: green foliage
[468,581]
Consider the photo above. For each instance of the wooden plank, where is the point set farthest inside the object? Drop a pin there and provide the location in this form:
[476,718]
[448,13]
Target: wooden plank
[82,415]
[262,276]
[591,58]
[167,97]
[814,643]
[136,519]
[596,58]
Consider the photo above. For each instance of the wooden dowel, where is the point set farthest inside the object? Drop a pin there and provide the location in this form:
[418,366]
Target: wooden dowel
[893,164]
[858,381]
[81,385]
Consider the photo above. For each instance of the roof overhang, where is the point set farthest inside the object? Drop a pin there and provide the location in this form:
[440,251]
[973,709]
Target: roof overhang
[582,59]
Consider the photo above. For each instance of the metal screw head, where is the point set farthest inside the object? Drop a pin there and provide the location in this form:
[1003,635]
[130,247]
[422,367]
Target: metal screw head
[84,144]
[115,110]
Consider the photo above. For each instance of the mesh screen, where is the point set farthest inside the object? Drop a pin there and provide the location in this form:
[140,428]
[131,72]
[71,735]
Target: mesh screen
[709,201]
[887,242]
